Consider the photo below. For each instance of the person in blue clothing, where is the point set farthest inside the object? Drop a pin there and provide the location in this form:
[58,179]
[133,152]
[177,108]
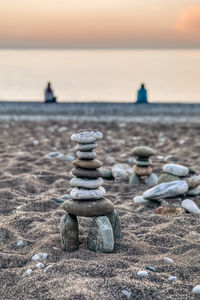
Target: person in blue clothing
[142,95]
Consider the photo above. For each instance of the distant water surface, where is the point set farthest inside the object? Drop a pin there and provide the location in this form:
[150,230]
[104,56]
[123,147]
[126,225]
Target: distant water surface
[100,75]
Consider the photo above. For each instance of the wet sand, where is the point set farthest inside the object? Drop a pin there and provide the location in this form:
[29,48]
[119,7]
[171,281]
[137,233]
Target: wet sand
[28,184]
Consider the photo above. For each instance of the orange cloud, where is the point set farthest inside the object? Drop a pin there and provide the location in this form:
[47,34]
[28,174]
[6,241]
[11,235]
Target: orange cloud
[189,21]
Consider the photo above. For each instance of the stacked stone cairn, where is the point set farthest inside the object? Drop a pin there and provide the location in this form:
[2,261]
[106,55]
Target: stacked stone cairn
[87,200]
[142,171]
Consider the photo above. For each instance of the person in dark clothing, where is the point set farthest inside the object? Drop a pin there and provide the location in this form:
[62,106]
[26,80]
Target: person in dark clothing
[48,94]
[142,95]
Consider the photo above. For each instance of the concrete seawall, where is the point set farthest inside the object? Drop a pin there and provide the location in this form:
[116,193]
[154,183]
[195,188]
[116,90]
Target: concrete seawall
[100,111]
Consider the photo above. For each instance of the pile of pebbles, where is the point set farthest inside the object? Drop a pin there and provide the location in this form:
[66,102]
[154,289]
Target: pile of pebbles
[176,180]
[87,200]
[142,170]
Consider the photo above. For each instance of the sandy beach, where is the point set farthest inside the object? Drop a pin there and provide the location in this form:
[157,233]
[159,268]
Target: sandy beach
[30,182]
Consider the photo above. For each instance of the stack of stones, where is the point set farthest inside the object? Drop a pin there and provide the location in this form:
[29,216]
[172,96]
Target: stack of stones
[87,200]
[142,171]
[172,172]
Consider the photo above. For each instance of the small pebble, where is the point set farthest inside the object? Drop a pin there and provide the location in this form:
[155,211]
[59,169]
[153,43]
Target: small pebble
[65,197]
[151,269]
[196,290]
[168,260]
[38,256]
[142,273]
[29,272]
[40,265]
[20,243]
[58,200]
[172,278]
[35,142]
[126,293]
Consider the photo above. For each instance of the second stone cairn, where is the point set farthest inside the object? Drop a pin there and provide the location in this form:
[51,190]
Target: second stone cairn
[87,200]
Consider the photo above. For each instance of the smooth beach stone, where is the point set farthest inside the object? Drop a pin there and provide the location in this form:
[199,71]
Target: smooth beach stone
[116,224]
[142,171]
[143,151]
[168,260]
[122,171]
[193,181]
[85,173]
[142,273]
[167,190]
[190,206]
[87,164]
[194,192]
[151,180]
[134,180]
[140,200]
[86,136]
[69,233]
[167,178]
[85,147]
[79,193]
[172,278]
[86,155]
[110,160]
[100,237]
[106,173]
[176,170]
[196,290]
[169,211]
[88,208]
[85,183]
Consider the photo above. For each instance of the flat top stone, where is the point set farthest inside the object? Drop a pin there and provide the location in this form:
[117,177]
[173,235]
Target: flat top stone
[86,136]
[143,151]
[176,170]
[88,164]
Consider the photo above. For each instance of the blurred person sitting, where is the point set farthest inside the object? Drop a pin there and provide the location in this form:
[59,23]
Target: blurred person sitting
[48,93]
[142,95]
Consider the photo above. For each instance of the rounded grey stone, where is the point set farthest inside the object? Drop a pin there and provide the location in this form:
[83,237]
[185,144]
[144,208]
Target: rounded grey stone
[85,173]
[140,200]
[106,173]
[194,192]
[86,136]
[167,190]
[134,180]
[86,183]
[100,237]
[151,180]
[190,206]
[116,224]
[86,155]
[79,193]
[176,170]
[69,233]
[143,151]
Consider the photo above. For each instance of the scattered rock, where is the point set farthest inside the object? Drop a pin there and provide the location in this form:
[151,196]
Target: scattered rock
[167,178]
[172,278]
[134,180]
[167,190]
[142,273]
[127,294]
[193,181]
[110,160]
[54,154]
[176,170]
[190,206]
[20,243]
[29,272]
[69,233]
[151,180]
[194,192]
[69,157]
[196,290]
[140,200]
[58,200]
[40,265]
[106,173]
[169,211]
[38,256]
[35,142]
[122,171]
[151,269]
[168,260]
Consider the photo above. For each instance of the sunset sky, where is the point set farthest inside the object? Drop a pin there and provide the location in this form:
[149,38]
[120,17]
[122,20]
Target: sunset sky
[100,23]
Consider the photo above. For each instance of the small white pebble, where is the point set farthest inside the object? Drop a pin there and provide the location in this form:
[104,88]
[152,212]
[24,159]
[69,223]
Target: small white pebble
[142,273]
[29,272]
[20,243]
[35,142]
[196,290]
[40,265]
[172,278]
[44,255]
[36,257]
[126,293]
[168,260]
[48,267]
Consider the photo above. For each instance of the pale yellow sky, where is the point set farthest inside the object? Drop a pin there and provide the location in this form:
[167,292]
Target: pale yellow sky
[100,23]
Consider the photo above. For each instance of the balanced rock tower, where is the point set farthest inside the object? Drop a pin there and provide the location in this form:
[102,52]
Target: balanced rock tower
[142,171]
[87,200]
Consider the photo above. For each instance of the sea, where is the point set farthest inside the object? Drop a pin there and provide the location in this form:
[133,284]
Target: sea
[100,75]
